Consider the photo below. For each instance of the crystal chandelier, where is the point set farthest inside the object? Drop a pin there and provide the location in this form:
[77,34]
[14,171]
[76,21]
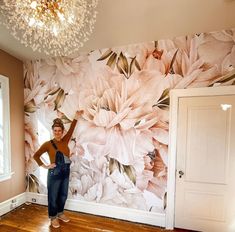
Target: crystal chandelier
[55,27]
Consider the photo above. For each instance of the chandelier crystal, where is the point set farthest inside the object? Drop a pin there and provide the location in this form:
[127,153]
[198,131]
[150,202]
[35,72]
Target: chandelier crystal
[55,27]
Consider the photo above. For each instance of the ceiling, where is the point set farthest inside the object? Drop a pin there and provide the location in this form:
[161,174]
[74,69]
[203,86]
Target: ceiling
[123,22]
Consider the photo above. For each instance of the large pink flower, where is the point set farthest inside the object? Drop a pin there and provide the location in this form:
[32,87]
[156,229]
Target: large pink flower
[192,61]
[223,57]
[62,72]
[121,121]
[122,107]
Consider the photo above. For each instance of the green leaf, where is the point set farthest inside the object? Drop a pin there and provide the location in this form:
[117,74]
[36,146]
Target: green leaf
[125,62]
[53,92]
[32,183]
[223,79]
[105,55]
[165,200]
[137,65]
[30,107]
[164,100]
[122,64]
[127,169]
[162,106]
[155,43]
[105,108]
[132,67]
[65,119]
[227,79]
[170,68]
[114,164]
[119,67]
[165,94]
[137,123]
[130,172]
[59,99]
[112,60]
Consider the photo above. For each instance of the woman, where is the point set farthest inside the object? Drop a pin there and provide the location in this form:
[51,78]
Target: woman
[58,169]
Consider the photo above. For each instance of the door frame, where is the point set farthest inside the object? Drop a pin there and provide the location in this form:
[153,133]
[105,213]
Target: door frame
[175,95]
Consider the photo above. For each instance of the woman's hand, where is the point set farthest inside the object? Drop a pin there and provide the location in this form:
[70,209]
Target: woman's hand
[78,114]
[50,166]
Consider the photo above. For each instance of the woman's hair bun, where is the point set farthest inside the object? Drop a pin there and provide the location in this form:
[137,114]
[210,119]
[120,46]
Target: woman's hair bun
[57,120]
[58,123]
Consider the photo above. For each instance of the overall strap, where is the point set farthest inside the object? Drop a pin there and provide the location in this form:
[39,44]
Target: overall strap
[53,144]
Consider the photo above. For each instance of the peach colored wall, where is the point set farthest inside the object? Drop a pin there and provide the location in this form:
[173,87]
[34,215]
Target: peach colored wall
[12,68]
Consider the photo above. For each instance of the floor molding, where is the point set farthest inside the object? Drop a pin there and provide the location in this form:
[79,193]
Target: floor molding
[12,203]
[133,215]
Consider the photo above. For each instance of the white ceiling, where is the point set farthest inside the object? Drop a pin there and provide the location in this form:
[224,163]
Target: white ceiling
[122,22]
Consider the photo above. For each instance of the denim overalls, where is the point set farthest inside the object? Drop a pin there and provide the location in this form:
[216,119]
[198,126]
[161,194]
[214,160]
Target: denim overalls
[57,184]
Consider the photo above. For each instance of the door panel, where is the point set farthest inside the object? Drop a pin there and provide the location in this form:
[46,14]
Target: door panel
[202,151]
[199,199]
[206,156]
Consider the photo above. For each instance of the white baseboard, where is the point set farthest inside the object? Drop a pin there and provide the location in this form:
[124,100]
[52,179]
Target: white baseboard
[12,203]
[150,218]
[133,215]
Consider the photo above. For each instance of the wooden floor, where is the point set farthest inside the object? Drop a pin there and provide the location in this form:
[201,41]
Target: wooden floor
[34,218]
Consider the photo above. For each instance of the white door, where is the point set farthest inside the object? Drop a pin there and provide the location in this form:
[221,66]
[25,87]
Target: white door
[205,165]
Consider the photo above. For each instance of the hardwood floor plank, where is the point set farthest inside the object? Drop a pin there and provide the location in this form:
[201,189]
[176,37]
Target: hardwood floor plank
[33,218]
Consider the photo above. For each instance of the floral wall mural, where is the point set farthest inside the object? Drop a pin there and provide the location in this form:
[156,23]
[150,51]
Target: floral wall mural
[120,146]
